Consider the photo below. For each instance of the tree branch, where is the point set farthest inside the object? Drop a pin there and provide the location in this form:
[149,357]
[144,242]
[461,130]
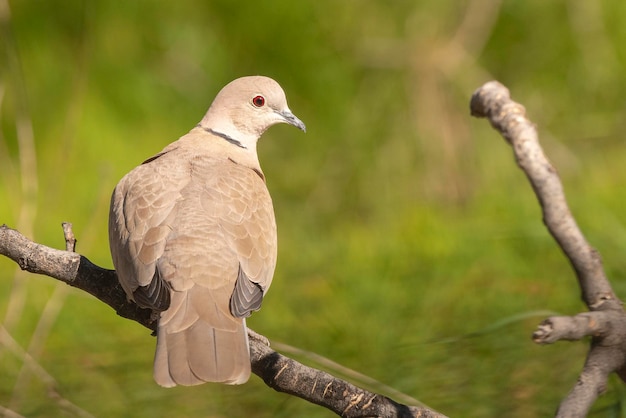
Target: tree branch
[606,323]
[281,373]
[574,328]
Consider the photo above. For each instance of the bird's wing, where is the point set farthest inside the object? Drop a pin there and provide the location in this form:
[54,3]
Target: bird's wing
[143,208]
[250,227]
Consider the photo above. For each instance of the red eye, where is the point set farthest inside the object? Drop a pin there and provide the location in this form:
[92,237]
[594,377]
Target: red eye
[258,101]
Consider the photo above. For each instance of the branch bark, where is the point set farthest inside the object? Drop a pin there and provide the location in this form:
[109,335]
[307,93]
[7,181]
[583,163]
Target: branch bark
[606,321]
[279,372]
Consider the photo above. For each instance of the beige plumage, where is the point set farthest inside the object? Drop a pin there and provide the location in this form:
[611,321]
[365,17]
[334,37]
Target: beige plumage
[193,236]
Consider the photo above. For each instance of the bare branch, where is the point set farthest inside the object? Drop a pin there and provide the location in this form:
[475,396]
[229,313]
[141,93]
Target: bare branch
[286,375]
[277,371]
[508,117]
[574,328]
[606,323]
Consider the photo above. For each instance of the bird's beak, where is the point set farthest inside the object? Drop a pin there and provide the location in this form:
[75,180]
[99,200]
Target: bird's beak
[291,119]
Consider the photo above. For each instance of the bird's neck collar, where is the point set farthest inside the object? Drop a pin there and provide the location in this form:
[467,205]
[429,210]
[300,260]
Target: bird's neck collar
[223,135]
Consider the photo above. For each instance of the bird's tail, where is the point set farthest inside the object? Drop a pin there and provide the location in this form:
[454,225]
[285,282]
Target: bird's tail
[191,351]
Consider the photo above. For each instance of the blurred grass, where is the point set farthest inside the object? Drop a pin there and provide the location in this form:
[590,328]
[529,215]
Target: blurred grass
[405,226]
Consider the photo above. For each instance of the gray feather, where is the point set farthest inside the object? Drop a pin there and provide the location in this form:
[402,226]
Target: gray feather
[247,296]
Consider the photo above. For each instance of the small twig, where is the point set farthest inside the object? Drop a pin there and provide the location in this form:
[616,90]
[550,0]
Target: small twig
[606,323]
[70,239]
[574,328]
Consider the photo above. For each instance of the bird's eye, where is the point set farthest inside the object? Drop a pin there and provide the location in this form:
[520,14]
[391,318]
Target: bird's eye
[258,101]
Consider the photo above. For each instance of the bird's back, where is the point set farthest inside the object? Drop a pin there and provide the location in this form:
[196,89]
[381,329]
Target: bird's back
[197,224]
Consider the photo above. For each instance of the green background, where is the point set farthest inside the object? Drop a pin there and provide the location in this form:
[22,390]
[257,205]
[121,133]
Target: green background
[411,247]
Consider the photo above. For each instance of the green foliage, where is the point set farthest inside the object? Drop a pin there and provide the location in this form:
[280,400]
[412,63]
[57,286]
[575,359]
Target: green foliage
[411,247]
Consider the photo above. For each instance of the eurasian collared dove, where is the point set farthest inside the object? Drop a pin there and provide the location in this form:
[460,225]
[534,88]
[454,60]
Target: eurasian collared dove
[193,236]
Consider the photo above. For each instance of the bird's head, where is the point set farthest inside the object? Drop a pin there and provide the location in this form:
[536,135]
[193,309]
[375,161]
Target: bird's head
[247,107]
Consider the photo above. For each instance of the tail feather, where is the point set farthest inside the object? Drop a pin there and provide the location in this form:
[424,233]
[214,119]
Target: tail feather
[202,353]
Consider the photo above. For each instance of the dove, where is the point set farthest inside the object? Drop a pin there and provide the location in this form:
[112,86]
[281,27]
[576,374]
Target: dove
[193,236]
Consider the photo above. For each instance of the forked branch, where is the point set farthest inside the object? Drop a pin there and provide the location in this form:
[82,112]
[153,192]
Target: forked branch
[606,321]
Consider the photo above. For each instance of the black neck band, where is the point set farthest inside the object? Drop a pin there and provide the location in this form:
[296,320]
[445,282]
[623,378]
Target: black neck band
[223,136]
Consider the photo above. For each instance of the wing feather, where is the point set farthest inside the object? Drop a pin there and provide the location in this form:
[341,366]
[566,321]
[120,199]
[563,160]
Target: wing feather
[143,208]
